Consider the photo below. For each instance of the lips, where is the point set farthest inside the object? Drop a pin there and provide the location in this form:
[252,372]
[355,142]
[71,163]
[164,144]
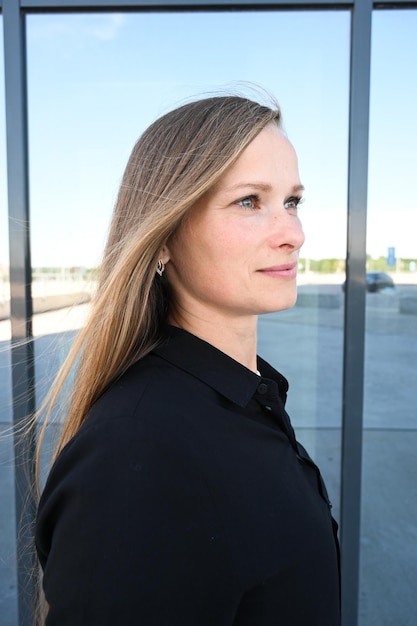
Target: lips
[288,271]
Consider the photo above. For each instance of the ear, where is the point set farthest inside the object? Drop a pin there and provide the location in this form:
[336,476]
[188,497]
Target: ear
[164,254]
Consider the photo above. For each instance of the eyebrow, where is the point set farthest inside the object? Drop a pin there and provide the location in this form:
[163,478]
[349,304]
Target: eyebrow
[261,187]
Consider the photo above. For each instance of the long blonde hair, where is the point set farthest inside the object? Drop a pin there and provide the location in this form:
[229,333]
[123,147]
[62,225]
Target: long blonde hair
[177,159]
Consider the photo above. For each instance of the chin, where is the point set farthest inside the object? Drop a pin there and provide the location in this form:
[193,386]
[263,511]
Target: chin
[283,305]
[287,305]
[285,302]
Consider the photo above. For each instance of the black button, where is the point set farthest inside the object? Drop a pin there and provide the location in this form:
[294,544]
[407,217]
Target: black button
[262,388]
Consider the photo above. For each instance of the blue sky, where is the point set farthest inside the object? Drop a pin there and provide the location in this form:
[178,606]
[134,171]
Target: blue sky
[96,81]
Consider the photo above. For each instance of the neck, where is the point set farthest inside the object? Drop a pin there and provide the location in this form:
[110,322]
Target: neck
[235,337]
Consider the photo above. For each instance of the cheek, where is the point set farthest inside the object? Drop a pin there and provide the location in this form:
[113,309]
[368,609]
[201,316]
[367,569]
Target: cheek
[206,267]
[230,242]
[203,247]
[208,248]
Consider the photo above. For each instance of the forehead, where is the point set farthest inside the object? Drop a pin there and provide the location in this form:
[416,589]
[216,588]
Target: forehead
[269,157]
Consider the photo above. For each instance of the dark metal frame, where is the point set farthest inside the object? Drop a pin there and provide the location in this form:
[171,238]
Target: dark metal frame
[20,299]
[14,12]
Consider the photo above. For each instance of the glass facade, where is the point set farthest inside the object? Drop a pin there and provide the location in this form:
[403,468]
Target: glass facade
[389,493]
[92,83]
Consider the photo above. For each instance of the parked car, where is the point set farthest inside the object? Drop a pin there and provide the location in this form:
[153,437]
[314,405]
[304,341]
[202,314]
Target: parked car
[377,281]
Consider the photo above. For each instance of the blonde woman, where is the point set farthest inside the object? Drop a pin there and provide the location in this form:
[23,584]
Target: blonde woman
[179,495]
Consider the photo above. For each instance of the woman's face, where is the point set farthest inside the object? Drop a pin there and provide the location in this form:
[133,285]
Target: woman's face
[236,255]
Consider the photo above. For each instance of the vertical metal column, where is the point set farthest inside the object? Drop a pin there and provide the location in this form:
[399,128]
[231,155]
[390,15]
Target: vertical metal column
[20,300]
[355,302]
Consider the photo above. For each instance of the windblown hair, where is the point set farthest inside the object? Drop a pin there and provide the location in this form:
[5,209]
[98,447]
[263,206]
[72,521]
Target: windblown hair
[176,160]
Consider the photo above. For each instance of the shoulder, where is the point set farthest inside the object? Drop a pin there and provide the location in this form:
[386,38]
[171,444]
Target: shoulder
[143,397]
[128,452]
[141,416]
[132,413]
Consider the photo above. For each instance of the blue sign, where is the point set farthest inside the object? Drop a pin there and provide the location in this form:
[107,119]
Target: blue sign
[391,256]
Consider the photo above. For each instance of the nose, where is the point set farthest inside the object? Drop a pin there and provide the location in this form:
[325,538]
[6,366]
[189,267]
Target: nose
[286,231]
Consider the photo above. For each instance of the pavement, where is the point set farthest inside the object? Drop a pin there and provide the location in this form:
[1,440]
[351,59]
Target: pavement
[306,345]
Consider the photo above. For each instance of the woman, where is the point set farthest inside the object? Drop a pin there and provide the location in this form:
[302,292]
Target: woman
[179,495]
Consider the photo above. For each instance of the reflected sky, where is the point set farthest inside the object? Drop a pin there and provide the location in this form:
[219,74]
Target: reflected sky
[392,206]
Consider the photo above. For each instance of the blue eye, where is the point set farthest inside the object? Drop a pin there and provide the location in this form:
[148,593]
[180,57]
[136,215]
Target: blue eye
[249,202]
[293,202]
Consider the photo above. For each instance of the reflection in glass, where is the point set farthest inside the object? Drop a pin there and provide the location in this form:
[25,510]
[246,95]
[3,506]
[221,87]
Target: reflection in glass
[389,504]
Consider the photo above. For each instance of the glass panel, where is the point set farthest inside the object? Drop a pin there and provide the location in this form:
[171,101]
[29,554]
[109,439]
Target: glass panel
[96,81]
[389,505]
[8,594]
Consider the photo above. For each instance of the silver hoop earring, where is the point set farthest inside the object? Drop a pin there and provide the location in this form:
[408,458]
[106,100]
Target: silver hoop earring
[160,268]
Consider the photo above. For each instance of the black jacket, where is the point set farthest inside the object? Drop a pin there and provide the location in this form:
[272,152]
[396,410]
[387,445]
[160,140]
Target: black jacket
[184,500]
